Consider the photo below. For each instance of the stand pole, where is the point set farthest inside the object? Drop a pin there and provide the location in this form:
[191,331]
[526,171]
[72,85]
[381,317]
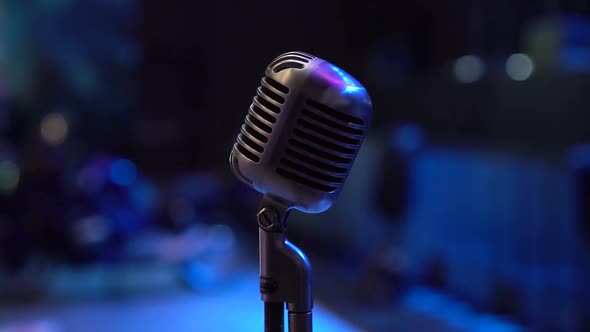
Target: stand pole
[274,319]
[300,321]
[285,271]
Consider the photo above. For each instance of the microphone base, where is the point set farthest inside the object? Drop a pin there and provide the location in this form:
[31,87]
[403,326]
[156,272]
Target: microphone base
[285,271]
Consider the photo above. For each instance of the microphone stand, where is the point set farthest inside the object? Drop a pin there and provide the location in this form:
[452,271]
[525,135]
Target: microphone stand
[285,271]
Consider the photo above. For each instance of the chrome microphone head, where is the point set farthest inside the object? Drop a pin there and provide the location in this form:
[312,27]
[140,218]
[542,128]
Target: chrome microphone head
[302,133]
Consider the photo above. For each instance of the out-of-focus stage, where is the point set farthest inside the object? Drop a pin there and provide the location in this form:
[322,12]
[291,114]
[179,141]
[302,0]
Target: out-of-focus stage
[236,308]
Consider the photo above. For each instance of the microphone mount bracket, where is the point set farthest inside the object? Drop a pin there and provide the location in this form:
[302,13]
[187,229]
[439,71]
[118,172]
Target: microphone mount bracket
[285,271]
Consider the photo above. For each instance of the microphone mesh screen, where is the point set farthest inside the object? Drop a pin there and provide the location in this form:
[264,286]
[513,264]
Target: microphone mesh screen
[322,147]
[261,118]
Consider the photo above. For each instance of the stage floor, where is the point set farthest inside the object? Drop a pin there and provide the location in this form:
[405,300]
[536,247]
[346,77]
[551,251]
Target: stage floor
[237,307]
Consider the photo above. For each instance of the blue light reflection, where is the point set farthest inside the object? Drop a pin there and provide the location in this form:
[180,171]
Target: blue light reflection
[351,84]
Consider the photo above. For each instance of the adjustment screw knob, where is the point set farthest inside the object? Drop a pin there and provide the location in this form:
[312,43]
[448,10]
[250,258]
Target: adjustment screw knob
[268,218]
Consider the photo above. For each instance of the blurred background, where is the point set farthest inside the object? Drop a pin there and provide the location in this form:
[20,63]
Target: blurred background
[468,208]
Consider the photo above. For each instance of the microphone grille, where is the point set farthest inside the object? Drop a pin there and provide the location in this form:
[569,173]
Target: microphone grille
[261,118]
[296,60]
[322,147]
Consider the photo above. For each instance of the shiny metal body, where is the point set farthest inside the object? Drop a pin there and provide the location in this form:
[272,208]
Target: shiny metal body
[303,131]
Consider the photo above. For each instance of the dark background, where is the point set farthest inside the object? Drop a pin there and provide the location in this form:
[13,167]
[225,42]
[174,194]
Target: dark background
[468,208]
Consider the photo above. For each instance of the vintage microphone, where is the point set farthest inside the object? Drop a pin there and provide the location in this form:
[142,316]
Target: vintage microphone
[302,133]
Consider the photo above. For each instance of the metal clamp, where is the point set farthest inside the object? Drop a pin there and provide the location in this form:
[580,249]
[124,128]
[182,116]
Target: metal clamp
[285,271]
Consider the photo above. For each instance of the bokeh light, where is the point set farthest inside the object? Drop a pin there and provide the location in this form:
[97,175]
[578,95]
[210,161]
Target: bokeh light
[408,137]
[91,230]
[468,69]
[123,172]
[9,176]
[54,128]
[223,236]
[144,195]
[519,66]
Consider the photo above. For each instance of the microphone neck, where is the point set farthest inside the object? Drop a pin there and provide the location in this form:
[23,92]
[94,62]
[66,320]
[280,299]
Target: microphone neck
[285,271]
[272,214]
